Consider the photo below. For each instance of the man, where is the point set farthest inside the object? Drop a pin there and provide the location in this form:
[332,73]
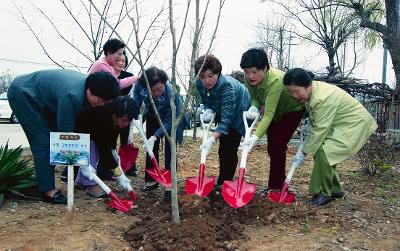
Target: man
[341,126]
[50,100]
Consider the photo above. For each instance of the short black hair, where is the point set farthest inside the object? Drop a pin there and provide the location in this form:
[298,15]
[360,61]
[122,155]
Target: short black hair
[124,106]
[112,46]
[297,76]
[211,63]
[126,60]
[254,57]
[154,75]
[103,85]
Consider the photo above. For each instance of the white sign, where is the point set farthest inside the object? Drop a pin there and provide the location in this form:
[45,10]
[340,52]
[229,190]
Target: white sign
[69,148]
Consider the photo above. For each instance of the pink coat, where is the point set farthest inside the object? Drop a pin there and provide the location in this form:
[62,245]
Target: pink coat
[102,65]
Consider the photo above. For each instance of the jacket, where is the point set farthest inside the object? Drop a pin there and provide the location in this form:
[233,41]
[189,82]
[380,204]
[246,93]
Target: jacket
[341,125]
[228,99]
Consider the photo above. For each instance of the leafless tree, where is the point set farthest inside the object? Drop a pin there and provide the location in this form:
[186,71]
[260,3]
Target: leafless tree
[5,80]
[276,39]
[326,25]
[370,15]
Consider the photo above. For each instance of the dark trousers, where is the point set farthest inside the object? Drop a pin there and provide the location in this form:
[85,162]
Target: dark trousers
[279,133]
[227,152]
[37,127]
[151,127]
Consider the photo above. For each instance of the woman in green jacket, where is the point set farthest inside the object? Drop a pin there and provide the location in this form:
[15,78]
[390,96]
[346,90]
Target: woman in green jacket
[341,126]
[282,114]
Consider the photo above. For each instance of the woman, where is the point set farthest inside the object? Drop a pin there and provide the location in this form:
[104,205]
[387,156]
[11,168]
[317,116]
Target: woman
[119,69]
[113,50]
[341,126]
[282,114]
[104,125]
[227,98]
[161,91]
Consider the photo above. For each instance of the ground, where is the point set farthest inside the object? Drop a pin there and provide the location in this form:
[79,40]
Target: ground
[369,219]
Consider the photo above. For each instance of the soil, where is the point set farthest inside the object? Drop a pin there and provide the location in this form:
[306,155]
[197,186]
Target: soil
[368,219]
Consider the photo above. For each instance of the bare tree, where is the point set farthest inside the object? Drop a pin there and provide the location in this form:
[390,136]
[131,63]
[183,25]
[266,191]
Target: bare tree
[370,13]
[276,39]
[327,25]
[5,80]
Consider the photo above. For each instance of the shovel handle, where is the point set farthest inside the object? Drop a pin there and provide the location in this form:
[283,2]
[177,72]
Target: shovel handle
[294,166]
[206,128]
[139,125]
[248,129]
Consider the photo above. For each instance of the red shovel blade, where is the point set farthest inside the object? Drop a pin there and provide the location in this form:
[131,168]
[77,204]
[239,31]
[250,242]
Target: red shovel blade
[162,176]
[200,185]
[128,155]
[133,195]
[283,197]
[238,193]
[121,205]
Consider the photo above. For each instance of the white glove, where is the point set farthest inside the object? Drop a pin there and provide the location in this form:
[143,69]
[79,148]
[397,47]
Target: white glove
[207,115]
[252,112]
[206,146]
[298,159]
[89,172]
[150,142]
[250,142]
[124,182]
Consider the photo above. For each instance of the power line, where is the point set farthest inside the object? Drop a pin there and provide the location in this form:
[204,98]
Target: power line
[37,63]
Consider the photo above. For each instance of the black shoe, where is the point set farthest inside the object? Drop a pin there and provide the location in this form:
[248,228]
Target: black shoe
[339,195]
[320,200]
[57,198]
[64,173]
[148,188]
[167,196]
[132,172]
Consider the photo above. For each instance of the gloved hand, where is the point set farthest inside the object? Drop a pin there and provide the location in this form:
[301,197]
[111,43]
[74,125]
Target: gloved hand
[150,142]
[207,115]
[206,146]
[252,112]
[89,172]
[124,182]
[250,142]
[298,159]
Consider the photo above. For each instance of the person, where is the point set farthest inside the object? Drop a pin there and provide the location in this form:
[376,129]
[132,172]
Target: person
[113,50]
[161,91]
[103,125]
[120,71]
[282,113]
[49,101]
[227,98]
[340,127]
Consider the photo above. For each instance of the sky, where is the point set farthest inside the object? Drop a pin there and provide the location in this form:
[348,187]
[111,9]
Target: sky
[20,52]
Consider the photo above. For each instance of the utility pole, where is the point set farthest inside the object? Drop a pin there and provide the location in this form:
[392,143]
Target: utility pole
[384,64]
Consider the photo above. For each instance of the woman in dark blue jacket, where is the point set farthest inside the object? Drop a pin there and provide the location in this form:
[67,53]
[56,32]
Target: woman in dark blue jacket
[227,98]
[161,91]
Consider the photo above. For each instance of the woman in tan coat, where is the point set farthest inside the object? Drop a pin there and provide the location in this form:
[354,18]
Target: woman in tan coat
[341,126]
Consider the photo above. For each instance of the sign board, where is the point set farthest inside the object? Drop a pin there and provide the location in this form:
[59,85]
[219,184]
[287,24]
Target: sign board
[69,148]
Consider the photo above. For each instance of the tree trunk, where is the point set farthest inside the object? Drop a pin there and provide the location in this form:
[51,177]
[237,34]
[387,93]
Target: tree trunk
[392,37]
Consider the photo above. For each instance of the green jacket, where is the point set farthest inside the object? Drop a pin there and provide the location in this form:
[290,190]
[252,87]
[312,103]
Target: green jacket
[341,125]
[274,96]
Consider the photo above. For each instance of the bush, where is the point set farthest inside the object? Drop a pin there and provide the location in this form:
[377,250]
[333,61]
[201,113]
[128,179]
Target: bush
[378,155]
[15,174]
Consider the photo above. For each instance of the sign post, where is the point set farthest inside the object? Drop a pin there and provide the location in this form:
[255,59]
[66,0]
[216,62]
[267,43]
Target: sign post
[70,149]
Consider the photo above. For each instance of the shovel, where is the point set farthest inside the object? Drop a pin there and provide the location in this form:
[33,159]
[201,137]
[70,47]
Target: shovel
[285,197]
[123,205]
[128,153]
[239,193]
[130,189]
[161,176]
[201,185]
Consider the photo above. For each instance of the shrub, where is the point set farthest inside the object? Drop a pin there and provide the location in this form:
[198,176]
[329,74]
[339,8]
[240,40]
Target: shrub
[378,155]
[16,174]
